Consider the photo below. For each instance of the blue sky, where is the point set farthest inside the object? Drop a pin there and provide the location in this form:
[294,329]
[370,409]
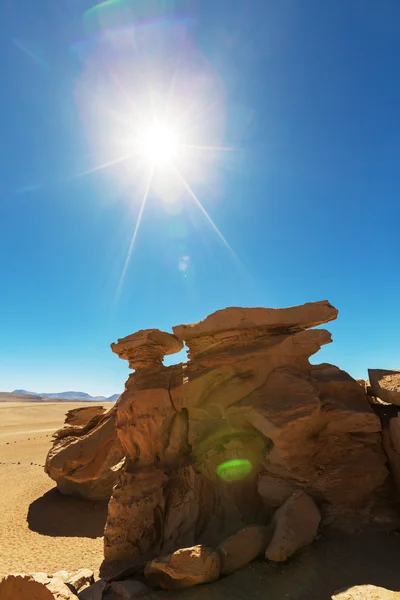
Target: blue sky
[305,93]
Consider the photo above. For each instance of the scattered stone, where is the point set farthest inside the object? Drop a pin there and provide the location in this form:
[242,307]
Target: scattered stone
[366,592]
[80,579]
[243,547]
[129,589]
[184,568]
[60,589]
[94,591]
[296,524]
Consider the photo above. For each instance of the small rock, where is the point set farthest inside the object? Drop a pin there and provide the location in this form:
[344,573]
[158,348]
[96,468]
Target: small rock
[41,577]
[64,575]
[243,547]
[80,579]
[184,568]
[366,592]
[129,589]
[296,524]
[93,592]
[60,590]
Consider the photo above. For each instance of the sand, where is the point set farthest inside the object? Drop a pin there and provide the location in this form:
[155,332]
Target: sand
[41,530]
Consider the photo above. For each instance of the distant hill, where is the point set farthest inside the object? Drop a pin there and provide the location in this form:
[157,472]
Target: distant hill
[21,395]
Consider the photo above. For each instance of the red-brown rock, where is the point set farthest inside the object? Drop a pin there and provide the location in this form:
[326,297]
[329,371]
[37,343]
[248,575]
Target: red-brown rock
[86,455]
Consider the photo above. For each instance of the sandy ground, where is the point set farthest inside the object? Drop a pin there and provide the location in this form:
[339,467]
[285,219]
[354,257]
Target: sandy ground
[41,530]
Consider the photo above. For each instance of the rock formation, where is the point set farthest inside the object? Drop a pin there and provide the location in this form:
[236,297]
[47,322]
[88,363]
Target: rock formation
[86,455]
[220,442]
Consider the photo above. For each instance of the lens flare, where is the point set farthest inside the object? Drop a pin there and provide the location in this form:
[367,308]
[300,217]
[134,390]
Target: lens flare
[158,144]
[234,470]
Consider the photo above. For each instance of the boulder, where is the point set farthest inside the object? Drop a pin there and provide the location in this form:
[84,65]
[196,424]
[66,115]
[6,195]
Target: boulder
[94,591]
[295,526]
[243,547]
[87,455]
[366,592]
[217,443]
[184,568]
[385,384]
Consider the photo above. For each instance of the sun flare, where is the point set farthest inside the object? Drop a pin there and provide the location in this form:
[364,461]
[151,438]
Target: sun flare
[158,143]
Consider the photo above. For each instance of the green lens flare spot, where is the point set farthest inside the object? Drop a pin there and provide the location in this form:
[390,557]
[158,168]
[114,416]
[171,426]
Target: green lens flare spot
[234,470]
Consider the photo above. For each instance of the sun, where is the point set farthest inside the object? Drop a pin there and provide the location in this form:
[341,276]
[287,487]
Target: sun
[158,143]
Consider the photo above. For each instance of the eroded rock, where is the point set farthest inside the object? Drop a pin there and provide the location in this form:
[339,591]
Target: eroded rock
[184,568]
[19,587]
[220,442]
[86,455]
[295,526]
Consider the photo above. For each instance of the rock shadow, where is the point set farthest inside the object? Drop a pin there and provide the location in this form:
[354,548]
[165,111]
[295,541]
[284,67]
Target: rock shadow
[56,515]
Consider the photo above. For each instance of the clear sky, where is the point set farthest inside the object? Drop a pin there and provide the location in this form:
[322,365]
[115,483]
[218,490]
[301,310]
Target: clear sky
[285,186]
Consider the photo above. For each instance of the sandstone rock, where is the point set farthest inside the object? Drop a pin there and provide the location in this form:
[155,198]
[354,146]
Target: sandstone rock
[243,547]
[87,463]
[94,591]
[219,442]
[128,590]
[366,592]
[19,587]
[385,385]
[295,526]
[184,568]
[146,348]
[80,579]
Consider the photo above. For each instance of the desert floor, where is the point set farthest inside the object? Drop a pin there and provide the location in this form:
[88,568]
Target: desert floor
[40,530]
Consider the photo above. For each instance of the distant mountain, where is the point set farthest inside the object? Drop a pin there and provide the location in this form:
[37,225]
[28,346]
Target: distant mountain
[82,396]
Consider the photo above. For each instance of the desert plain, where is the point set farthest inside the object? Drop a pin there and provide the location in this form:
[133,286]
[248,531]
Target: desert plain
[41,530]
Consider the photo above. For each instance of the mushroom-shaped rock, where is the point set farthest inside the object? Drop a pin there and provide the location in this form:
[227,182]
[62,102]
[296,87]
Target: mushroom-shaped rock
[146,348]
[237,326]
[184,568]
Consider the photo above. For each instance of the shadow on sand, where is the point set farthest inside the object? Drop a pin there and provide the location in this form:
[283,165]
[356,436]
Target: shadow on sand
[57,515]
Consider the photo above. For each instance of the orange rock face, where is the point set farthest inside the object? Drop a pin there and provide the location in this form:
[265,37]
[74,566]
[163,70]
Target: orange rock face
[86,455]
[219,442]
[385,385]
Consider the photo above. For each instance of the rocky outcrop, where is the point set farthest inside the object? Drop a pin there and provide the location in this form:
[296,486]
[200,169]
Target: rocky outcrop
[295,526]
[385,385]
[185,568]
[86,455]
[220,442]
